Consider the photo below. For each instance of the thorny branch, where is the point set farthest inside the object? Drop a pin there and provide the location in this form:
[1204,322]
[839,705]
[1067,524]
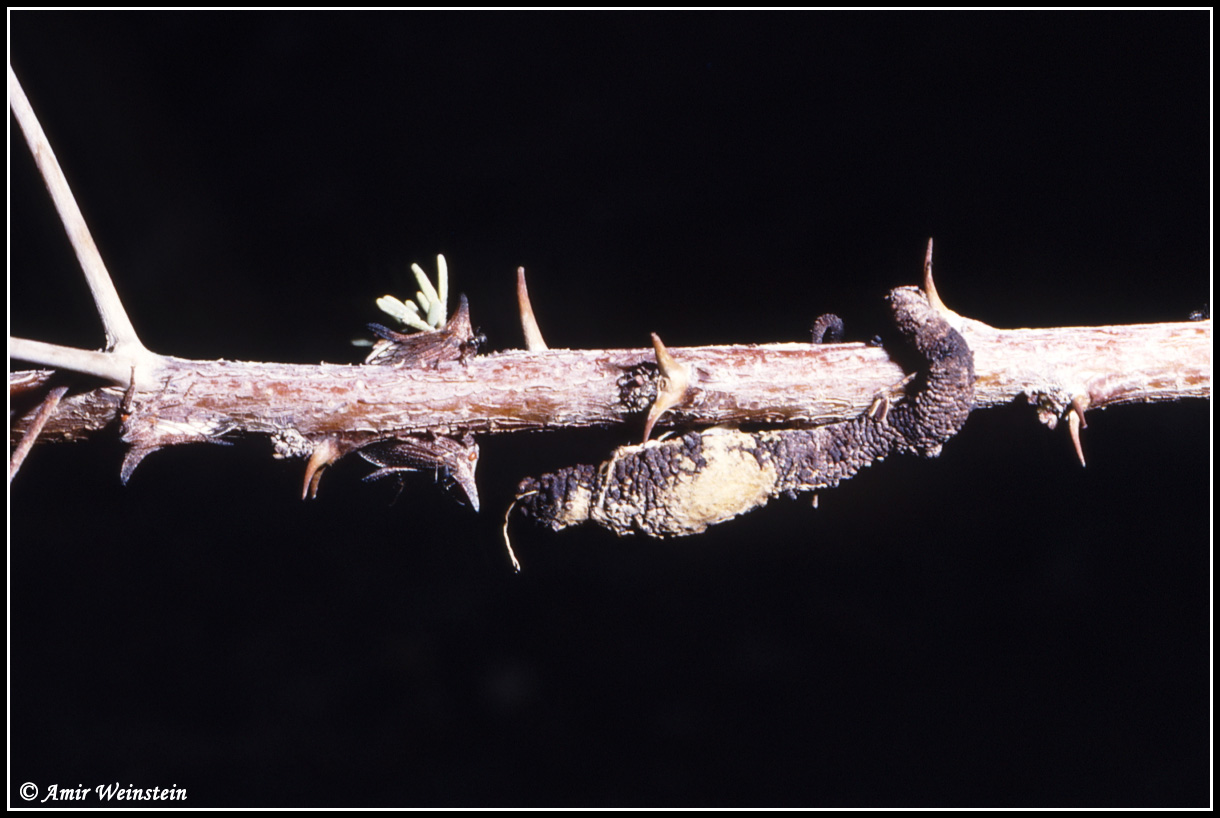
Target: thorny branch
[430,392]
[773,384]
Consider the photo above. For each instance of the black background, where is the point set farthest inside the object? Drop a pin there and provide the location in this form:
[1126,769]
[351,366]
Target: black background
[996,627]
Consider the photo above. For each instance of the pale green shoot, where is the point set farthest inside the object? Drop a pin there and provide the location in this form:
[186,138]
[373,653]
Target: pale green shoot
[431,312]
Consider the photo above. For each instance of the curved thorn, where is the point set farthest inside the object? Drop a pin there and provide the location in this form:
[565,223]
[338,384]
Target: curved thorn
[323,455]
[671,386]
[929,286]
[529,324]
[1076,422]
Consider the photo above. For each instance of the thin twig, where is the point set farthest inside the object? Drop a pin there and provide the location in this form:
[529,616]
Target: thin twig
[120,334]
[106,365]
[45,410]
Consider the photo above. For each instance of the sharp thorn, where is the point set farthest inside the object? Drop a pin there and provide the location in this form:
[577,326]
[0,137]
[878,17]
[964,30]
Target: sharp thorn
[1074,431]
[671,386]
[529,324]
[1076,422]
[929,286]
[323,455]
[670,367]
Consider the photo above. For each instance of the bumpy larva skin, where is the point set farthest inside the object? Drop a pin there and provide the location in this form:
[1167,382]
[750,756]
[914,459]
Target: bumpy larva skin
[682,485]
[827,329]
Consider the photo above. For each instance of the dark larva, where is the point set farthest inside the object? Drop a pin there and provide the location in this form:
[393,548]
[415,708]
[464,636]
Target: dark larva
[827,329]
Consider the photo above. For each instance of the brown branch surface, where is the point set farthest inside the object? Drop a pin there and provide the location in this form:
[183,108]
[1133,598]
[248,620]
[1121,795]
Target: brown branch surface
[787,385]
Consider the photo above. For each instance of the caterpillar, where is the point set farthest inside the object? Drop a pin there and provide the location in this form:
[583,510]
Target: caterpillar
[680,486]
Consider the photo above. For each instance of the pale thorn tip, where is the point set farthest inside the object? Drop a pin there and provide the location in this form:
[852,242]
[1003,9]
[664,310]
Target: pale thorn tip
[665,362]
[1076,422]
[529,324]
[323,455]
[929,286]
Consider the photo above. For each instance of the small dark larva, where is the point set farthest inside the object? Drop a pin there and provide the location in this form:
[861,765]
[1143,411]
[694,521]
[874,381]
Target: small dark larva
[827,329]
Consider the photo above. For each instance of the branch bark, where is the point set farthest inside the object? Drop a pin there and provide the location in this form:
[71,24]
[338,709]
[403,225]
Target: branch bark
[774,384]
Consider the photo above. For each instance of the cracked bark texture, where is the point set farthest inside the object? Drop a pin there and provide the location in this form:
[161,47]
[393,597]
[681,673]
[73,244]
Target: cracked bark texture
[683,485]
